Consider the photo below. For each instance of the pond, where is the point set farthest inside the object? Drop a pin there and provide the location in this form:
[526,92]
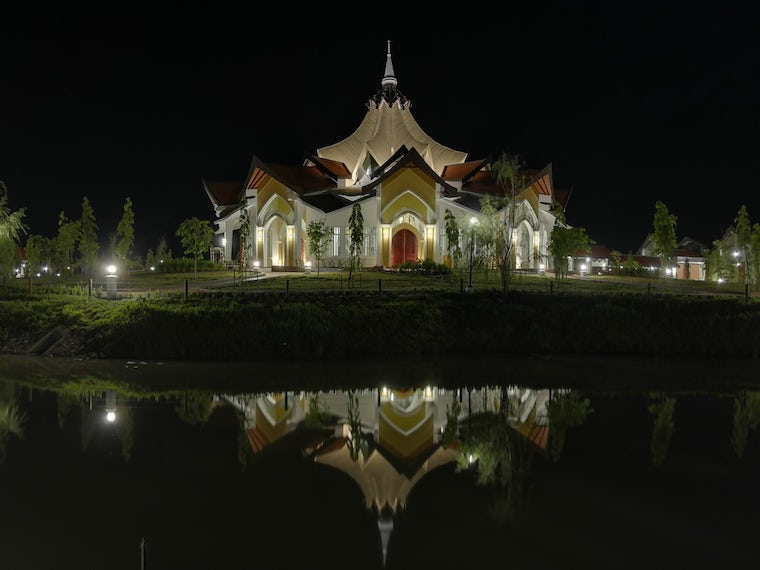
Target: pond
[490,463]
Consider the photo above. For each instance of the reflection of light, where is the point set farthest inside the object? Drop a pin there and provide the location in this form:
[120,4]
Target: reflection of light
[224,242]
[111,416]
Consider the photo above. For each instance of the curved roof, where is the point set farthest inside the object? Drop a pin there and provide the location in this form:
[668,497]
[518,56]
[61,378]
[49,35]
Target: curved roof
[387,126]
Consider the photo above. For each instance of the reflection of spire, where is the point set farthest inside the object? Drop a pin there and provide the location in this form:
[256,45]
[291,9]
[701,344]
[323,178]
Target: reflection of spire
[385,525]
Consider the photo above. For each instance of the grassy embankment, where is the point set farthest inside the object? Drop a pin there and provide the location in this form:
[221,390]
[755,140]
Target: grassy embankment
[305,316]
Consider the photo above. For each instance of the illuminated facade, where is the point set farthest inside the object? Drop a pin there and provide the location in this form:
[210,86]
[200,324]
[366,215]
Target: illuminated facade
[403,181]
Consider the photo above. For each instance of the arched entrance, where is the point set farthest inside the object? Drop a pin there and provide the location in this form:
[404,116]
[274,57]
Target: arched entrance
[403,247]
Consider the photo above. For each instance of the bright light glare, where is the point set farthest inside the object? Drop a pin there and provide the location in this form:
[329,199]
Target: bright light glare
[111,417]
[111,269]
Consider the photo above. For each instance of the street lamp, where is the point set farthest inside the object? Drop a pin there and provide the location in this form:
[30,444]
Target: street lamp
[111,279]
[473,221]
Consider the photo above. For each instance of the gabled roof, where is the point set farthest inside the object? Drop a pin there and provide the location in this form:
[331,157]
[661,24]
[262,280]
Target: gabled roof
[465,170]
[409,159]
[224,196]
[332,168]
[301,179]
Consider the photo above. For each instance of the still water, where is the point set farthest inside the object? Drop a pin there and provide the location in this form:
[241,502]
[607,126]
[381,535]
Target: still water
[494,463]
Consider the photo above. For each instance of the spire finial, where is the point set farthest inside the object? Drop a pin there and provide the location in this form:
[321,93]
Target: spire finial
[388,91]
[389,79]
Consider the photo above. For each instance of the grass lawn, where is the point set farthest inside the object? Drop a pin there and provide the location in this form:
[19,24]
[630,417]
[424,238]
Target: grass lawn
[372,281]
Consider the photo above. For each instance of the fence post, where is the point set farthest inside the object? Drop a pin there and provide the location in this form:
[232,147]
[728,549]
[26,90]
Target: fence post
[186,290]
[649,288]
[551,287]
[380,286]
[287,287]
[89,287]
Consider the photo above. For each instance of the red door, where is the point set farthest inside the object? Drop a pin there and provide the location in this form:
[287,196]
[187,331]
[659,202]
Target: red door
[403,247]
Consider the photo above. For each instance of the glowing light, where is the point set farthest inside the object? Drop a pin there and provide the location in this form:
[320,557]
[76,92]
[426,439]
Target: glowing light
[583,267]
[111,270]
[152,267]
[111,417]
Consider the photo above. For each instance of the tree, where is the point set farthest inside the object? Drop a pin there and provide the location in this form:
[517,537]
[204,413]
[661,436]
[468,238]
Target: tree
[66,242]
[196,236]
[12,228]
[39,252]
[356,237]
[318,234]
[88,238]
[452,238]
[163,253]
[510,179]
[125,232]
[245,236]
[564,242]
[664,235]
[743,232]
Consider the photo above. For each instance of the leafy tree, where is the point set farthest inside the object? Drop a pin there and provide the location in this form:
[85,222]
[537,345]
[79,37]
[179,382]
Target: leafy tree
[664,235]
[753,267]
[39,252]
[66,242]
[565,241]
[12,228]
[125,232]
[245,235]
[318,234]
[356,239]
[356,443]
[743,234]
[88,238]
[196,236]
[453,250]
[510,179]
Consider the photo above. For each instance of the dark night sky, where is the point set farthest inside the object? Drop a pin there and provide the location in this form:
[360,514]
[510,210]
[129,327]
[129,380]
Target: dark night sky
[631,102]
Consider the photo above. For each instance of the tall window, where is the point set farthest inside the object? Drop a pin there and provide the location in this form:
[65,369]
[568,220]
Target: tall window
[336,241]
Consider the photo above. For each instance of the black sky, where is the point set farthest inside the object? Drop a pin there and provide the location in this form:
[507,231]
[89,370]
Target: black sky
[630,102]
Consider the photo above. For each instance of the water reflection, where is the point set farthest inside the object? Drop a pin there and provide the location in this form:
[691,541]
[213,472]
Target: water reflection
[477,466]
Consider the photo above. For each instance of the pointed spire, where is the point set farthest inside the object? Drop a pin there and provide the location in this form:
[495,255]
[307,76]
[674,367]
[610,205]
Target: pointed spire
[389,79]
[388,91]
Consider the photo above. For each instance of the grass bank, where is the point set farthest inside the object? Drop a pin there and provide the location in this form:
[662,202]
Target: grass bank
[245,324]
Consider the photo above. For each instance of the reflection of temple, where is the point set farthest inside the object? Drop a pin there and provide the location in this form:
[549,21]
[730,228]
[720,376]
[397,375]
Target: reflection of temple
[402,429]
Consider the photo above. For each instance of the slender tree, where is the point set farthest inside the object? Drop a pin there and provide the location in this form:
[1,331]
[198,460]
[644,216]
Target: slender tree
[88,238]
[245,237]
[125,233]
[318,234]
[453,250]
[196,236]
[66,242]
[510,179]
[356,237]
[664,235]
[743,232]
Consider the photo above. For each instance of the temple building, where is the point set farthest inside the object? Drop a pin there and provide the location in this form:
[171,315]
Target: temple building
[403,181]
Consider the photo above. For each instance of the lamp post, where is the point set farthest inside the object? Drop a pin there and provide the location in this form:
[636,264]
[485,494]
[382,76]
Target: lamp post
[111,279]
[473,221]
